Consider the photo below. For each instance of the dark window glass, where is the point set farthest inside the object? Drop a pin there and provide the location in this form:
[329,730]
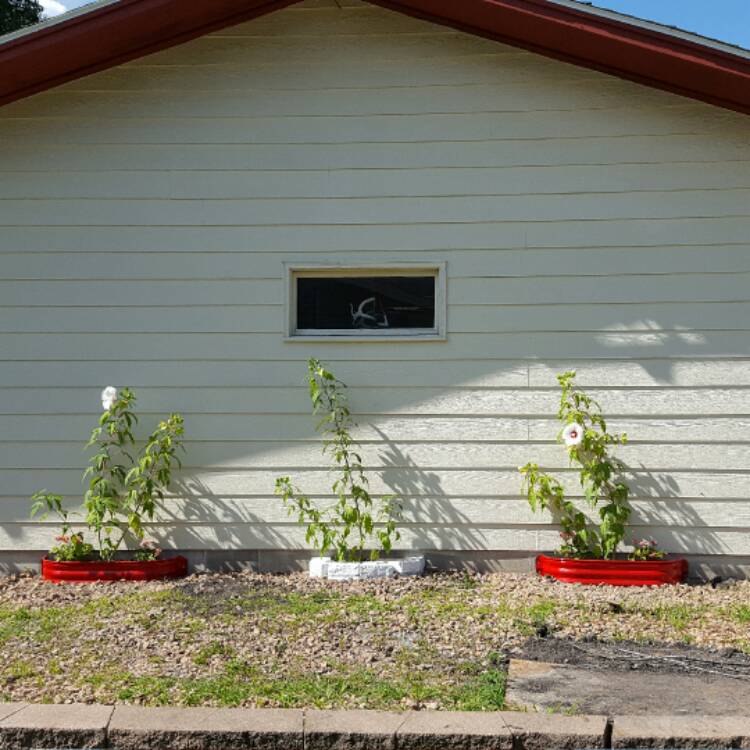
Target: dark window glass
[366,302]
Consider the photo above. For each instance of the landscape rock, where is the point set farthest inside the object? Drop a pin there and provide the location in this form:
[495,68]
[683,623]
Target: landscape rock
[55,726]
[681,732]
[449,730]
[534,731]
[351,730]
[135,728]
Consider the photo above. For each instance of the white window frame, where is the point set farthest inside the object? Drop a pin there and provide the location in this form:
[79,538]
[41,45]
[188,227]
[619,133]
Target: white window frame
[294,271]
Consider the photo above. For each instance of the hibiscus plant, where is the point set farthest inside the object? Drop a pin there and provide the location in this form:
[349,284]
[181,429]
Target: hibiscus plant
[124,486]
[355,520]
[589,443]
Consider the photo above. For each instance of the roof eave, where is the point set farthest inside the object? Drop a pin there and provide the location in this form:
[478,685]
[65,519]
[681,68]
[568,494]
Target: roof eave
[626,50]
[114,33]
[110,35]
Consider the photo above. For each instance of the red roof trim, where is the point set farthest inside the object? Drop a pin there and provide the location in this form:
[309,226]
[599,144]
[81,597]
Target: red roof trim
[590,40]
[111,35]
[128,29]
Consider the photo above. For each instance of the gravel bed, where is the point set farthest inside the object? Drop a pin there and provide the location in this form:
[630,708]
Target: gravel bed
[260,640]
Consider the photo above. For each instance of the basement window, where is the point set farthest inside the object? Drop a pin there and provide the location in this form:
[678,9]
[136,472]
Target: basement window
[365,303]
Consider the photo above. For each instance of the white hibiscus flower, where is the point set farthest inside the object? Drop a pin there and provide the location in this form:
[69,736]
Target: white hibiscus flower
[109,396]
[572,435]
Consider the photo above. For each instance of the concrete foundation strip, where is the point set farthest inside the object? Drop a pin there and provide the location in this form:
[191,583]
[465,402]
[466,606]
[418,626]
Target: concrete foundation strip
[135,728]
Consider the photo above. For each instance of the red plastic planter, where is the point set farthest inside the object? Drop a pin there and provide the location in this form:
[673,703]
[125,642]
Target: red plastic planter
[116,570]
[614,572]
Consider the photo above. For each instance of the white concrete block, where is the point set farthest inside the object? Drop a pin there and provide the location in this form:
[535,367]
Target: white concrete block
[408,566]
[319,567]
[360,571]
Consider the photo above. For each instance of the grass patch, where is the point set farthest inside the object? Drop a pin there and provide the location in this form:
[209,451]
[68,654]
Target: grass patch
[216,648]
[469,687]
[365,604]
[540,611]
[13,622]
[530,619]
[19,670]
[679,616]
[564,710]
[152,691]
[740,613]
[265,641]
[38,626]
[290,691]
[485,692]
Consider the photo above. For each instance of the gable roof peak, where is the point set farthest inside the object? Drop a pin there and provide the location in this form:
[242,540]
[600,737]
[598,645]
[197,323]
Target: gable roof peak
[110,32]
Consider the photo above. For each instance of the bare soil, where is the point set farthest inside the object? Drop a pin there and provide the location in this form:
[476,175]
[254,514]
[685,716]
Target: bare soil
[628,656]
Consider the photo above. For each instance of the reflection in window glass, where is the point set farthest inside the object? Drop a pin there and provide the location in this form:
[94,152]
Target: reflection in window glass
[365,302]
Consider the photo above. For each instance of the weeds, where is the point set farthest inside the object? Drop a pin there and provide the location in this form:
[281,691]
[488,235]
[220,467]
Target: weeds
[265,643]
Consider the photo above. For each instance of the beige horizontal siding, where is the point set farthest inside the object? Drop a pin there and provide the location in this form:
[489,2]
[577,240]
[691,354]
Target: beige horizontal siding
[355,211]
[450,482]
[266,318]
[456,511]
[499,263]
[488,290]
[33,428]
[611,122]
[417,401]
[205,533]
[653,373]
[586,222]
[361,183]
[506,97]
[305,452]
[428,237]
[661,149]
[323,74]
[486,350]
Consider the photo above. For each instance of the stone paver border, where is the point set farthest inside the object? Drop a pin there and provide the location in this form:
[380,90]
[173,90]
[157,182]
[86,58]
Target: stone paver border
[135,728]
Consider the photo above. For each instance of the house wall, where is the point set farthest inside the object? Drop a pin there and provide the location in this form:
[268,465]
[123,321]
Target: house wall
[586,222]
